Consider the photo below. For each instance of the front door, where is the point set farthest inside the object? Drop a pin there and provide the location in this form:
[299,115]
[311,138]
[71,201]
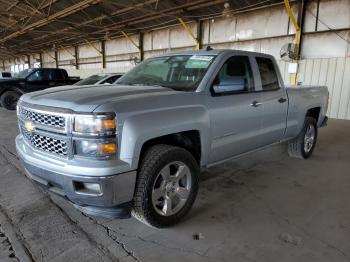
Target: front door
[38,80]
[235,112]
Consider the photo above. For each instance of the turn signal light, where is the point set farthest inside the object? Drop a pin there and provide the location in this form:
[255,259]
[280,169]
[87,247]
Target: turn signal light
[108,149]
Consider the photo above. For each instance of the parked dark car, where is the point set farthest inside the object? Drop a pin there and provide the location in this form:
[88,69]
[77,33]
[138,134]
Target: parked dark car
[100,79]
[30,80]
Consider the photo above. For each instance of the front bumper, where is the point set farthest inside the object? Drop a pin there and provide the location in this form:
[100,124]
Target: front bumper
[116,189]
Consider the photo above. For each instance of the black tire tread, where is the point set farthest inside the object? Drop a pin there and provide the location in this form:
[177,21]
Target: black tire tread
[3,98]
[295,146]
[147,167]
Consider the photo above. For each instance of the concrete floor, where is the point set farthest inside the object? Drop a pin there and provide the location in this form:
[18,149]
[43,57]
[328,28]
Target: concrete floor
[262,207]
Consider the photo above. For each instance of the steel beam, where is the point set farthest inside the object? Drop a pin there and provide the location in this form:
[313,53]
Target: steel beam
[301,20]
[138,46]
[141,46]
[76,56]
[189,32]
[28,59]
[56,59]
[200,33]
[293,77]
[103,53]
[41,59]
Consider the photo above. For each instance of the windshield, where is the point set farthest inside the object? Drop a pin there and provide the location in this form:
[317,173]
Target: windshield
[24,73]
[179,72]
[91,80]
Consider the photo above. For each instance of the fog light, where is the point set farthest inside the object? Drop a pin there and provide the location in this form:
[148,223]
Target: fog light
[87,188]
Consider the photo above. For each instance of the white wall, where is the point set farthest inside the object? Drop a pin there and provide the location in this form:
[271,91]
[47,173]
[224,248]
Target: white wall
[331,72]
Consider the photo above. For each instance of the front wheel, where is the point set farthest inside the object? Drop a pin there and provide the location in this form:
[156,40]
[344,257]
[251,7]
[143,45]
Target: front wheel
[166,187]
[304,144]
[9,100]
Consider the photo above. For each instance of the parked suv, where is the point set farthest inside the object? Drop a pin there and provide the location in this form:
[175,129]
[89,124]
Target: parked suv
[99,79]
[30,80]
[138,146]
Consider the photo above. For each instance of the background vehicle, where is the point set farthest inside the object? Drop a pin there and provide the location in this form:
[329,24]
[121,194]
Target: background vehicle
[30,80]
[99,79]
[5,75]
[140,145]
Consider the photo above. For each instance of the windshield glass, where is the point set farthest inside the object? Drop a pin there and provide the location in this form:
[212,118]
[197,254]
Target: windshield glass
[24,73]
[91,80]
[179,72]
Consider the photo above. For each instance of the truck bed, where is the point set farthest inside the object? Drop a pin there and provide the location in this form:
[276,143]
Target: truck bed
[301,97]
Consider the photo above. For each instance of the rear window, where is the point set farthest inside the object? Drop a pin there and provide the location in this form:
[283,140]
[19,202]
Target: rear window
[90,80]
[6,74]
[57,75]
[269,79]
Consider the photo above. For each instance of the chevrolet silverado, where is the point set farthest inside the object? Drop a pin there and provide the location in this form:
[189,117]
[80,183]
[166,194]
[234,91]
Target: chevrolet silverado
[137,147]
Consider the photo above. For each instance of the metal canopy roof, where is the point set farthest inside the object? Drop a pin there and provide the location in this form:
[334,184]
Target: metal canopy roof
[29,26]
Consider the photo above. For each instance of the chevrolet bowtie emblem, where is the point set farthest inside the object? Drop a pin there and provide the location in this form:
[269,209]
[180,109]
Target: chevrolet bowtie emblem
[29,126]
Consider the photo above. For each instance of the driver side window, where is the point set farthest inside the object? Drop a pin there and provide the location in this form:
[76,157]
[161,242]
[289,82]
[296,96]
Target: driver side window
[36,76]
[235,76]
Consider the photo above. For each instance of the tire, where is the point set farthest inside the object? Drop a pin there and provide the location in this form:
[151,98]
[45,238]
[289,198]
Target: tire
[153,191]
[303,145]
[9,100]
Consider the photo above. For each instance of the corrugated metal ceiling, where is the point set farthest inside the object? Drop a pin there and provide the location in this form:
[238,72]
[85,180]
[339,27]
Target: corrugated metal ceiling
[33,25]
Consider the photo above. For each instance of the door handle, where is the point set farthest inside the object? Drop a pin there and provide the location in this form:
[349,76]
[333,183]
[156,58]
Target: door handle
[256,104]
[282,100]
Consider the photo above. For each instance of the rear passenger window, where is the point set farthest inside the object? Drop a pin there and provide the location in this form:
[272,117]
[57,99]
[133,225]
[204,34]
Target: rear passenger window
[56,75]
[269,79]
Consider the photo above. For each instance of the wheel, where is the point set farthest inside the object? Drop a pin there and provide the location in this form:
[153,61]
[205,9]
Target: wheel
[9,100]
[304,144]
[166,186]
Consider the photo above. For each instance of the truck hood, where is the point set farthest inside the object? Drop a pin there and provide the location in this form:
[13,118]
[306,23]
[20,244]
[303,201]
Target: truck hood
[88,98]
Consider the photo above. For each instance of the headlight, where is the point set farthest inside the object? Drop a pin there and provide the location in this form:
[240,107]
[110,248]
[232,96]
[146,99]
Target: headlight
[97,125]
[96,148]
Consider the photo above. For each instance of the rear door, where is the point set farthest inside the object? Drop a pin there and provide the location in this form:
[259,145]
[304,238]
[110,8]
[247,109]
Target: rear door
[57,77]
[235,115]
[274,101]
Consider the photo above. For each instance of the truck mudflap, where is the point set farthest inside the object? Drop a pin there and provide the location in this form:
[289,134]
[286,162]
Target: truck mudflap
[324,122]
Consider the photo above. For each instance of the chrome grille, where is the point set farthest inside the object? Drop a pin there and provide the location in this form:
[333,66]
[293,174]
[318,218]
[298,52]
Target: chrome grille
[42,118]
[45,143]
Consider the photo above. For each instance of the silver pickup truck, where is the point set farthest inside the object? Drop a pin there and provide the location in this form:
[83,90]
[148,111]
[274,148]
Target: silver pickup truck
[137,147]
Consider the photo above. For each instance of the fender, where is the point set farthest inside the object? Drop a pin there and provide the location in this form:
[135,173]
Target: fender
[140,128]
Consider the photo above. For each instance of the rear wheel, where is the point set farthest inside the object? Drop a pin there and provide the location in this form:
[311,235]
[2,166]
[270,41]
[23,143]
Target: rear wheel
[304,144]
[9,100]
[166,187]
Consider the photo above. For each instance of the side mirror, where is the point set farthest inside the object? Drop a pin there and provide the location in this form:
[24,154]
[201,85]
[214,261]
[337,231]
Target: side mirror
[230,85]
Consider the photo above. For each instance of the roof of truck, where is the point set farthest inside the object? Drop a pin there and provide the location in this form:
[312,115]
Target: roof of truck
[213,52]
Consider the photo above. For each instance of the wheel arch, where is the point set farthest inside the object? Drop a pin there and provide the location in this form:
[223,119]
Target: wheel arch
[314,113]
[11,88]
[189,140]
